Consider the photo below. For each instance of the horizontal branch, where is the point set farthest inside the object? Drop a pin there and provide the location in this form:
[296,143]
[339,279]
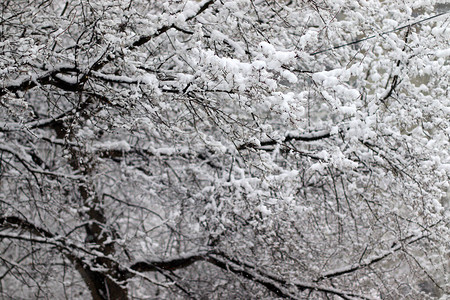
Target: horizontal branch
[43,236]
[56,174]
[306,137]
[57,120]
[114,153]
[14,126]
[25,83]
[185,261]
[273,283]
[27,161]
[18,223]
[169,265]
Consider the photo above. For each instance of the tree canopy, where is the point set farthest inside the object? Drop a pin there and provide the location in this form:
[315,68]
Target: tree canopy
[242,149]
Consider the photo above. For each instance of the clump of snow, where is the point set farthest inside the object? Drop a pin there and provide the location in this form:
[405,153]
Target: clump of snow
[443,53]
[113,145]
[284,57]
[150,79]
[259,64]
[348,110]
[267,48]
[264,210]
[289,76]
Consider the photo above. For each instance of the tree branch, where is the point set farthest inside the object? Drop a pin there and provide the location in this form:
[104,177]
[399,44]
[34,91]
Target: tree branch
[370,261]
[18,223]
[144,39]
[170,264]
[273,283]
[93,277]
[29,82]
[307,137]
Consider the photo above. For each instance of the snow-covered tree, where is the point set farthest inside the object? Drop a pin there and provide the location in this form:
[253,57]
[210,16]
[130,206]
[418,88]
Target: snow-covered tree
[224,149]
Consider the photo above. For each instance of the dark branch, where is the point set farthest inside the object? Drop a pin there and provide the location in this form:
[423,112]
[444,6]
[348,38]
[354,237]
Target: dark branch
[18,223]
[370,261]
[273,283]
[170,265]
[236,269]
[309,137]
[46,78]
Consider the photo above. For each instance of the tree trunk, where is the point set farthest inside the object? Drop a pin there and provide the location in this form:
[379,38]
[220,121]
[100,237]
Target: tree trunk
[101,286]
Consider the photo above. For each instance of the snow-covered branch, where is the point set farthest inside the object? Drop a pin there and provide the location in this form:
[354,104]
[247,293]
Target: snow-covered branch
[25,83]
[273,283]
[373,259]
[291,136]
[187,15]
